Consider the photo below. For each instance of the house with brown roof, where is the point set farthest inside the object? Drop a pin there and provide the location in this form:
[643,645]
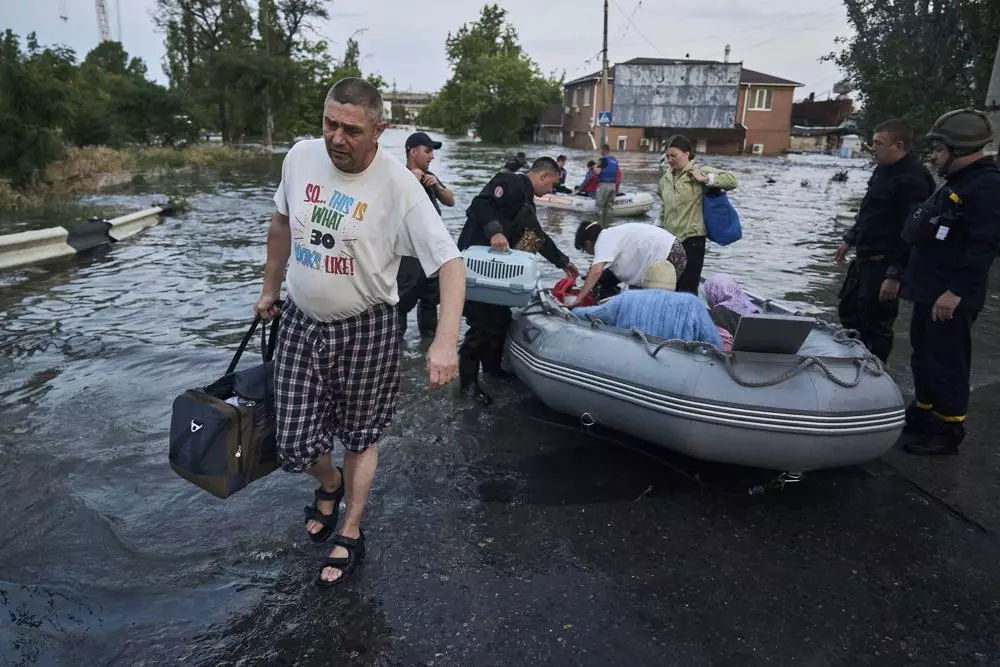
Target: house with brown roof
[722,107]
[819,126]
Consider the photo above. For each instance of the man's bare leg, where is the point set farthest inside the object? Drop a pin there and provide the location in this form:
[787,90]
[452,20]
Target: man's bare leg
[329,477]
[359,472]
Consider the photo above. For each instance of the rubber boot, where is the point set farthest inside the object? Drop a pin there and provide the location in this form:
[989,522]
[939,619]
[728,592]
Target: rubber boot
[918,424]
[468,380]
[941,439]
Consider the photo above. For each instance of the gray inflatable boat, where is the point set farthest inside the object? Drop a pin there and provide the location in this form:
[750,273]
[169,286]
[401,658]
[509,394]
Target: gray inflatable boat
[831,404]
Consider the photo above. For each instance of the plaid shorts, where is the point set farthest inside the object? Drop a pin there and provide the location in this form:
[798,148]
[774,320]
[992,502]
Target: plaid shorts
[334,379]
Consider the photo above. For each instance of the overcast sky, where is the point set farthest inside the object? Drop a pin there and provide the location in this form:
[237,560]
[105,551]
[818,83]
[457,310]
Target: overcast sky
[780,37]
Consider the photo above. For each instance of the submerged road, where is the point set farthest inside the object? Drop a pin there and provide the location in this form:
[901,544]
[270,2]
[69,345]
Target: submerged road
[500,537]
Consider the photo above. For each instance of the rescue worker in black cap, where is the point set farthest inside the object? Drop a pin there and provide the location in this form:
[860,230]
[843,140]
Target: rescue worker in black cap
[503,216]
[954,237]
[413,285]
[898,186]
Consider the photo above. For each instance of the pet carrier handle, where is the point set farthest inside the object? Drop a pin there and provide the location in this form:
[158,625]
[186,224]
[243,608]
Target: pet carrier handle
[500,252]
[267,342]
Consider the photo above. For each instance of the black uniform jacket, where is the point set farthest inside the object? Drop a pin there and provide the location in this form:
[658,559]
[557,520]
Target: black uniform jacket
[507,205]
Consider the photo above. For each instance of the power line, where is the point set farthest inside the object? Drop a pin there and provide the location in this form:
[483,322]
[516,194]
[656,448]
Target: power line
[631,23]
[628,24]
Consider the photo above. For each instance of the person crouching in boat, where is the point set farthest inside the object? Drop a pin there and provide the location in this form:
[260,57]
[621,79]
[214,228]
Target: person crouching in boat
[727,302]
[622,253]
[503,216]
[589,185]
[657,310]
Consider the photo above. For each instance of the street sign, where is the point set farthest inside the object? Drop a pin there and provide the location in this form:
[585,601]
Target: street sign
[604,118]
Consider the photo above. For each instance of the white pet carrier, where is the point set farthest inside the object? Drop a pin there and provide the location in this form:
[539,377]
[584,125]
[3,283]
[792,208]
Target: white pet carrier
[503,278]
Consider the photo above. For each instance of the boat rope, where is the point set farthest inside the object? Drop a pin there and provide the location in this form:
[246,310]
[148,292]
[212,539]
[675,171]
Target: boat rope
[865,361]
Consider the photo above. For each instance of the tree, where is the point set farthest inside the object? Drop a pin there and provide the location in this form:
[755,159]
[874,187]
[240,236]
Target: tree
[494,87]
[918,58]
[399,115]
[36,89]
[251,65]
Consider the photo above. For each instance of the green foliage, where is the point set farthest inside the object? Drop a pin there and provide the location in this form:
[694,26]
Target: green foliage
[495,87]
[35,102]
[919,58]
[252,69]
[399,115]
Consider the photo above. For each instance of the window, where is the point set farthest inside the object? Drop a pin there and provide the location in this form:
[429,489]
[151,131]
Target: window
[760,99]
[701,146]
[576,97]
[622,143]
[586,97]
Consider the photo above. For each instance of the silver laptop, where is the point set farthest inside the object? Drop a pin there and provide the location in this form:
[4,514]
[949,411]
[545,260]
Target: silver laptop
[773,334]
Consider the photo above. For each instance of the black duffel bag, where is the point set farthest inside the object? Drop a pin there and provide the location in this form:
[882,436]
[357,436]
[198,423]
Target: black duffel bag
[222,437]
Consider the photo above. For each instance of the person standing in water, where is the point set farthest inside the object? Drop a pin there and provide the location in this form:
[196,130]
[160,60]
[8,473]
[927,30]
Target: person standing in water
[346,212]
[607,185]
[503,217]
[682,192]
[413,284]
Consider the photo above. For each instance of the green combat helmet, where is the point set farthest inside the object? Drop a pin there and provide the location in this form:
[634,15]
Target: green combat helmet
[964,131]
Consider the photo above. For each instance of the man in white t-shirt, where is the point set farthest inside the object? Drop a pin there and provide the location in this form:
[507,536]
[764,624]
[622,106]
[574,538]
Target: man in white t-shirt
[346,212]
[623,253]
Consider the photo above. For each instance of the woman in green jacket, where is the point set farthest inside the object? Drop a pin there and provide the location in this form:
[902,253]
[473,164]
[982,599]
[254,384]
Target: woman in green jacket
[681,192]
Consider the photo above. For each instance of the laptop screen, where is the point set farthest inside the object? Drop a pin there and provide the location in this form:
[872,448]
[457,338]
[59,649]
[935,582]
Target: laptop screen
[774,334]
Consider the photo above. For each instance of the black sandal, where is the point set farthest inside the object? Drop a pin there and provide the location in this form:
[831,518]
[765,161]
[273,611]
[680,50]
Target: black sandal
[347,566]
[329,521]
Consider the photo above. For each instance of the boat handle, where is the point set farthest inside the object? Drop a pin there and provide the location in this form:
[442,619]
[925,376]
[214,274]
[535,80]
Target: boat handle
[587,419]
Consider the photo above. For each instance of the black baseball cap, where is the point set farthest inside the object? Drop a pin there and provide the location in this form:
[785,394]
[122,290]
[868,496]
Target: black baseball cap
[421,139]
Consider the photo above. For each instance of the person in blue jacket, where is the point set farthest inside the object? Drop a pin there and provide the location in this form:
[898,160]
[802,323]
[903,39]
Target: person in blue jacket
[607,185]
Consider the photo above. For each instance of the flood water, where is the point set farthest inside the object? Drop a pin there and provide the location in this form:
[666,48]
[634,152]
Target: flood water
[110,558]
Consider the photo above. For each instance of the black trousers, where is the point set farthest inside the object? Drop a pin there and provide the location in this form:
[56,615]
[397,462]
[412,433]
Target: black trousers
[484,340]
[690,278]
[861,309]
[942,359]
[425,292]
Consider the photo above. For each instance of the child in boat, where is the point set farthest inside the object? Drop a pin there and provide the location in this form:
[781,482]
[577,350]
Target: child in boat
[589,185]
[657,310]
[727,301]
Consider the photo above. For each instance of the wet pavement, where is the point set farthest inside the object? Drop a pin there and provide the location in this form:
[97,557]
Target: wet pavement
[508,536]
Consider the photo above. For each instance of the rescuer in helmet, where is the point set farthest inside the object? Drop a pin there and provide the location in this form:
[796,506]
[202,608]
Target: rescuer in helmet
[954,237]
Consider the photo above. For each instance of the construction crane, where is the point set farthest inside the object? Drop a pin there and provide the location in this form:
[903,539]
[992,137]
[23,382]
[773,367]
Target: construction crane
[103,22]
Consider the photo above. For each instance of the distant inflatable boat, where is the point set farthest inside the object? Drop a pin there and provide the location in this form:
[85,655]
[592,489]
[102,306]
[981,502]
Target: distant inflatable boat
[830,404]
[625,206]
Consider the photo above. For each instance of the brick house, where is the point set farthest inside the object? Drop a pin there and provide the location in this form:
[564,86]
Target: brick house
[723,108]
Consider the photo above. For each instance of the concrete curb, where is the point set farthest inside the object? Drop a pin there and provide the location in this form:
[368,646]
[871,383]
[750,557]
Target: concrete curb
[26,248]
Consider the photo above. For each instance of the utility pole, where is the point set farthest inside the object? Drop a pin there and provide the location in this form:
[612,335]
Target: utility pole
[604,77]
[265,29]
[993,101]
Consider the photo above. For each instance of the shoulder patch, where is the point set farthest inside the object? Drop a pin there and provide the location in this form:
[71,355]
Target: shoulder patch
[498,191]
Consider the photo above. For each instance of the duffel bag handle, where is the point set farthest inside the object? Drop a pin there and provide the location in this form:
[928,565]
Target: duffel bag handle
[268,340]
